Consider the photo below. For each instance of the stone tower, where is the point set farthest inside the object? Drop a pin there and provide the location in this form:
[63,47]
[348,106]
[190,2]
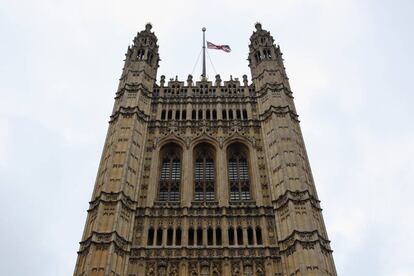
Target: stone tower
[204,177]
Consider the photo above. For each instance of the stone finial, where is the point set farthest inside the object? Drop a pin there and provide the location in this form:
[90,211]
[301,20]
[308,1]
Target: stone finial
[190,80]
[245,82]
[218,80]
[176,78]
[148,27]
[258,26]
[231,77]
[162,81]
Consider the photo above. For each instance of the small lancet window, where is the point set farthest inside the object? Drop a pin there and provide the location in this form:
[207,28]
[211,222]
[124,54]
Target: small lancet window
[218,236]
[159,236]
[259,239]
[191,236]
[150,237]
[230,234]
[178,236]
[170,234]
[250,240]
[210,236]
[140,54]
[245,114]
[239,236]
[199,236]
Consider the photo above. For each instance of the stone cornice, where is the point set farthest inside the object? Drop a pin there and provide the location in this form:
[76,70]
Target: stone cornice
[304,236]
[203,123]
[279,110]
[209,252]
[174,99]
[105,197]
[306,245]
[133,88]
[127,71]
[269,71]
[194,211]
[296,197]
[105,238]
[129,111]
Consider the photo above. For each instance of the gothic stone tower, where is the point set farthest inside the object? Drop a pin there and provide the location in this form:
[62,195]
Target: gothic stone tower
[204,178]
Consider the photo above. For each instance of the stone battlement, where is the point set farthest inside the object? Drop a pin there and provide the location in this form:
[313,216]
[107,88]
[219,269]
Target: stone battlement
[175,87]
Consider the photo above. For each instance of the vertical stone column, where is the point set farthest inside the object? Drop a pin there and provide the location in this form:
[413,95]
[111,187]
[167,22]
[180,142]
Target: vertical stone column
[222,183]
[187,181]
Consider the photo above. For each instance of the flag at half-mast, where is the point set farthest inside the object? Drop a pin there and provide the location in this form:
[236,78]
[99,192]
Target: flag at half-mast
[225,48]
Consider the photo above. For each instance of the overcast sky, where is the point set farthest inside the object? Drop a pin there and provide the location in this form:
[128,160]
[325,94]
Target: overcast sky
[350,68]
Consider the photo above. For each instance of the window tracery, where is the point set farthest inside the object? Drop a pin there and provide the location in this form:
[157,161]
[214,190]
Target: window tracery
[204,173]
[238,171]
[170,176]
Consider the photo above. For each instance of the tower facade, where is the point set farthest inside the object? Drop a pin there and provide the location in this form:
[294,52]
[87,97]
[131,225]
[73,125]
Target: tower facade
[204,177]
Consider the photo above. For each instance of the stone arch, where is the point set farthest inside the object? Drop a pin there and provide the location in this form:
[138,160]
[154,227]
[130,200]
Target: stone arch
[205,138]
[237,138]
[171,138]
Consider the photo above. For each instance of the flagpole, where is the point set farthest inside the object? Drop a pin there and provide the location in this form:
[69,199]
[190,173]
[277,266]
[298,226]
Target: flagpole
[204,54]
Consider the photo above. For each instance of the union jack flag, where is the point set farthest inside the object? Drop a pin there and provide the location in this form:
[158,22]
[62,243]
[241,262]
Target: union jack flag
[225,48]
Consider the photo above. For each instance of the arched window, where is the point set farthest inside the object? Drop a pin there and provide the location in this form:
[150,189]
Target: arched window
[177,114]
[194,115]
[214,114]
[191,236]
[239,236]
[159,236]
[170,235]
[163,115]
[170,178]
[199,236]
[140,54]
[204,177]
[259,238]
[224,114]
[218,236]
[238,114]
[169,114]
[250,240]
[178,236]
[200,114]
[238,172]
[210,236]
[230,114]
[230,234]
[184,115]
[245,114]
[150,238]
